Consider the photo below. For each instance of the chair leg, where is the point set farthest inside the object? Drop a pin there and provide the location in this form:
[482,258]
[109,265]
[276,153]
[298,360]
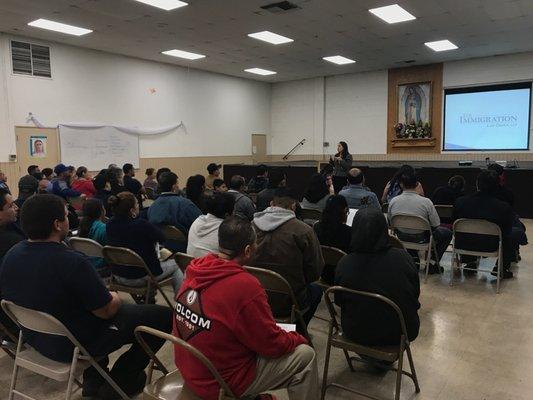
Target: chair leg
[399,372]
[499,272]
[428,262]
[72,373]
[15,369]
[349,360]
[326,363]
[412,367]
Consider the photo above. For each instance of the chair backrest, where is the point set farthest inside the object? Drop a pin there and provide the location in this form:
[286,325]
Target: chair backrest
[225,391]
[405,221]
[477,227]
[332,291]
[396,243]
[308,213]
[385,208]
[183,260]
[332,255]
[444,211]
[173,233]
[273,282]
[86,246]
[123,257]
[37,321]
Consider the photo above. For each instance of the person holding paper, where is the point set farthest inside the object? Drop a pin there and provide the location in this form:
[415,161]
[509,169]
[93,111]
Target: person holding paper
[223,311]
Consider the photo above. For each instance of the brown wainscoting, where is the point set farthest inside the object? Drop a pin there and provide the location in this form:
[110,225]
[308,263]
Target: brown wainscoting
[13,173]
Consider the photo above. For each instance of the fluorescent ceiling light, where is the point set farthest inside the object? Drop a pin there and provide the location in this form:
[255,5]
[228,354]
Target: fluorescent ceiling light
[166,5]
[392,14]
[441,45]
[183,54]
[59,27]
[270,37]
[339,60]
[260,71]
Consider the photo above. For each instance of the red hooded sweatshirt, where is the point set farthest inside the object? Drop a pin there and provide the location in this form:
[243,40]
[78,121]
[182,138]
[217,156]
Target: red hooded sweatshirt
[223,311]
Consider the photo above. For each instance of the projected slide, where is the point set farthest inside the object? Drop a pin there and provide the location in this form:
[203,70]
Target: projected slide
[487,118]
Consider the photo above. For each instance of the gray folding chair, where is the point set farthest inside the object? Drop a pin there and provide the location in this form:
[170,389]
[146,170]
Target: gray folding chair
[388,354]
[86,246]
[396,243]
[444,211]
[419,224]
[183,260]
[28,358]
[310,216]
[477,227]
[173,233]
[171,385]
[275,284]
[9,341]
[121,256]
[332,256]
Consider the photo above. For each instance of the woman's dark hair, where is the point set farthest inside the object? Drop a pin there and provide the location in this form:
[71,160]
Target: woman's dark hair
[122,203]
[38,214]
[275,177]
[102,171]
[92,211]
[149,171]
[317,189]
[487,181]
[99,182]
[457,183]
[80,171]
[234,234]
[370,233]
[166,181]
[112,176]
[47,172]
[344,152]
[195,188]
[395,180]
[220,204]
[334,213]
[217,183]
[160,171]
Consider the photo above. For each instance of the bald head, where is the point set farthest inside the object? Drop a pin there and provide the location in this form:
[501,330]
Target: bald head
[355,176]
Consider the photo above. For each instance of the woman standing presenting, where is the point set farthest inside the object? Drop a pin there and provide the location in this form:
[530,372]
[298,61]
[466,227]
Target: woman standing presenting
[342,163]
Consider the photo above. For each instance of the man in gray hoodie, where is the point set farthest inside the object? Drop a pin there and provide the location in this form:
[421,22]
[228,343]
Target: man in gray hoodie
[289,247]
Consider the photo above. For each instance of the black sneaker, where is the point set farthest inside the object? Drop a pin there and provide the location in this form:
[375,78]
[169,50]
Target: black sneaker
[132,388]
[505,274]
[433,269]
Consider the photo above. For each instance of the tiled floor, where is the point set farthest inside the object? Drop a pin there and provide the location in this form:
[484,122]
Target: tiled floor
[473,344]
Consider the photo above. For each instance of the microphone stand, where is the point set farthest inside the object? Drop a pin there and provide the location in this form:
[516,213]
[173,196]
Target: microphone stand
[300,143]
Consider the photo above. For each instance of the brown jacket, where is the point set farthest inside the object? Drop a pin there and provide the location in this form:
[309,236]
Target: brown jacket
[289,247]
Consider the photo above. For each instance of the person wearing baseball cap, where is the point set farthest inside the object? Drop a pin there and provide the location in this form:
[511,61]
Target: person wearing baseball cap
[61,184]
[214,173]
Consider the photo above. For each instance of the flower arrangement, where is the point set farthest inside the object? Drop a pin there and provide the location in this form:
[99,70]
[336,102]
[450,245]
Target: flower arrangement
[412,130]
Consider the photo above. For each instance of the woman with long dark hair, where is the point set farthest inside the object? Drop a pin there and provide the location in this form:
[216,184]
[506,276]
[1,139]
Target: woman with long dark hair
[195,191]
[393,188]
[342,163]
[92,226]
[317,193]
[332,230]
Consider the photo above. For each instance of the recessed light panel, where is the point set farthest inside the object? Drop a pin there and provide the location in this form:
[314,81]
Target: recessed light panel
[392,14]
[59,27]
[270,37]
[260,71]
[166,5]
[441,45]
[339,60]
[183,54]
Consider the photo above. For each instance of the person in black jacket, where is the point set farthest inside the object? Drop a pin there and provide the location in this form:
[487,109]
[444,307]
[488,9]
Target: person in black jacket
[447,195]
[485,205]
[375,266]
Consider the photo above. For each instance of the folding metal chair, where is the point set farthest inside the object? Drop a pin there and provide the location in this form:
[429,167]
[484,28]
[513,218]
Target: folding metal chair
[275,284]
[28,358]
[171,385]
[332,256]
[173,233]
[121,256]
[310,216]
[477,227]
[396,243]
[444,211]
[383,353]
[419,224]
[8,342]
[183,260]
[86,246]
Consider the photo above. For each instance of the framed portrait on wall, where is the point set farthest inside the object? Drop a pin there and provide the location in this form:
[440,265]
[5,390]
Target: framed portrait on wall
[38,146]
[414,103]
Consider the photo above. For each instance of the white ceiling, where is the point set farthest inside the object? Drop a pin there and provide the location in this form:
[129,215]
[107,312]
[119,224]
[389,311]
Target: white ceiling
[219,28]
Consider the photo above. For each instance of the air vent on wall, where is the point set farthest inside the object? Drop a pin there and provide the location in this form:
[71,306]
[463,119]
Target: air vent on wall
[30,59]
[280,6]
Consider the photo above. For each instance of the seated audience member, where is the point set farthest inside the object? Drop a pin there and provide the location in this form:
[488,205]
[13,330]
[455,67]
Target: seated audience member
[61,183]
[375,266]
[332,231]
[161,171]
[92,226]
[501,191]
[150,182]
[393,187]
[447,195]
[47,175]
[317,194]
[213,171]
[277,180]
[289,247]
[3,182]
[203,235]
[244,206]
[139,235]
[32,169]
[486,205]
[45,275]
[411,203]
[247,348]
[356,194]
[259,181]
[219,186]
[115,180]
[28,186]
[10,233]
[130,183]
[84,183]
[195,191]
[170,208]
[103,191]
